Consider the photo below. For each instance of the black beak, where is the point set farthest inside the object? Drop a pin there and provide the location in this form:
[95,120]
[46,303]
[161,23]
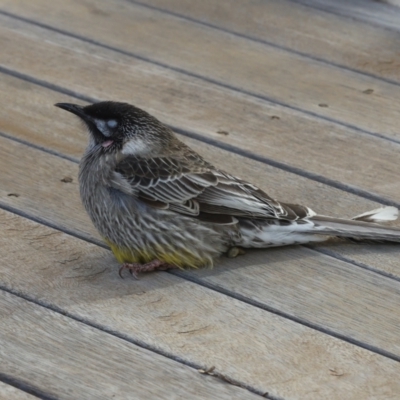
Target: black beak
[75,109]
[87,119]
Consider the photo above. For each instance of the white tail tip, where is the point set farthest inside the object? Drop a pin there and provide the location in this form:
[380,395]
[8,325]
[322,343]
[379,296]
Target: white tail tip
[382,214]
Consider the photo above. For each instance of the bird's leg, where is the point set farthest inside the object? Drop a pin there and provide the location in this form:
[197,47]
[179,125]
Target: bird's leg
[135,268]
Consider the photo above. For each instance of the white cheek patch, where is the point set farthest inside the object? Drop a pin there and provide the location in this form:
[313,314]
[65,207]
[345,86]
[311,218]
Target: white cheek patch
[135,147]
[102,127]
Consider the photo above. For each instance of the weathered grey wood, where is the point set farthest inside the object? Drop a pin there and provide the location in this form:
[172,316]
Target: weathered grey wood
[67,359]
[257,68]
[337,39]
[42,193]
[199,325]
[318,289]
[315,146]
[8,392]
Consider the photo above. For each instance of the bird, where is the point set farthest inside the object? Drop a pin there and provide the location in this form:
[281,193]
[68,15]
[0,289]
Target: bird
[158,204]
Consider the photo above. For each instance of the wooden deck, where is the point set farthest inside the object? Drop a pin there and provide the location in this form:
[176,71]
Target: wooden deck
[299,97]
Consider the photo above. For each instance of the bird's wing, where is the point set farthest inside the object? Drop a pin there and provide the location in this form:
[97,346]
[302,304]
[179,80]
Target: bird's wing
[198,189]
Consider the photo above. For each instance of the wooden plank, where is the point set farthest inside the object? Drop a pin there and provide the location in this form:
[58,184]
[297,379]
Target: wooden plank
[42,194]
[252,67]
[293,139]
[67,359]
[322,35]
[176,316]
[8,392]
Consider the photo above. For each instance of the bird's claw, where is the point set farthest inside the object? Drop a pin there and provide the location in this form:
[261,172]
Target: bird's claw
[131,268]
[135,268]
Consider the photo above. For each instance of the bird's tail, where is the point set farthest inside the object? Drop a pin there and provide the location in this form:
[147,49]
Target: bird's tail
[362,227]
[318,228]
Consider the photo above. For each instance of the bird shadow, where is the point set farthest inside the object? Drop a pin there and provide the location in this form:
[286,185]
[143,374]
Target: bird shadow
[95,278]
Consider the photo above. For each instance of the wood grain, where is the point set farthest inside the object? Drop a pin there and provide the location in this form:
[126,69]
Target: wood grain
[302,142]
[243,342]
[8,392]
[339,39]
[249,66]
[67,359]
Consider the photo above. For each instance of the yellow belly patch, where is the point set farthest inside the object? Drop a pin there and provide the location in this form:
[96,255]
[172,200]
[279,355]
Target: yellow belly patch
[142,256]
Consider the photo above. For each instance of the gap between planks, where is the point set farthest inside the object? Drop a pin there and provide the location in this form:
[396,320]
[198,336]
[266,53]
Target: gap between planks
[11,389]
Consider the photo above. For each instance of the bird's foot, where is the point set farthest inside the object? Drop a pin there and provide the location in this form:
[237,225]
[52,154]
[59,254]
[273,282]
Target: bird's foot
[234,252]
[135,268]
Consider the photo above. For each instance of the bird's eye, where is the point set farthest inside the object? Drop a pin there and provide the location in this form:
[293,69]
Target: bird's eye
[112,123]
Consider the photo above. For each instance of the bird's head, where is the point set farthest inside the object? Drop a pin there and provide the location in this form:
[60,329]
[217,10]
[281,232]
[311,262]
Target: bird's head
[121,127]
